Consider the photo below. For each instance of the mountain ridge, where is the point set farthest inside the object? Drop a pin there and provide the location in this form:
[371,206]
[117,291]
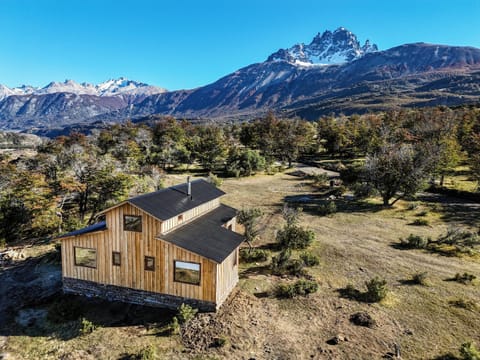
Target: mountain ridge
[111,87]
[417,74]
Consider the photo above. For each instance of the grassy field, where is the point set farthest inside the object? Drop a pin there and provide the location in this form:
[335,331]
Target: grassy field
[354,245]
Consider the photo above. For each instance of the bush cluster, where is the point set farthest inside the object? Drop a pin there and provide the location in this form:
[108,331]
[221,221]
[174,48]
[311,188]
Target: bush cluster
[377,290]
[465,278]
[414,242]
[309,259]
[301,287]
[253,255]
[326,209]
[420,278]
[295,237]
[87,327]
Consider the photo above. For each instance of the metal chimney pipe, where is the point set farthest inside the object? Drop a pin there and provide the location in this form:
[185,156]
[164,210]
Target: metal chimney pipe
[189,187]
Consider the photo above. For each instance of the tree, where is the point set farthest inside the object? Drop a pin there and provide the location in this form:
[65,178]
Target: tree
[396,170]
[250,218]
[244,162]
[210,146]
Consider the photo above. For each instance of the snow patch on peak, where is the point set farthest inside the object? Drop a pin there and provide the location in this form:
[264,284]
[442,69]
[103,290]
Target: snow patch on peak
[113,87]
[329,48]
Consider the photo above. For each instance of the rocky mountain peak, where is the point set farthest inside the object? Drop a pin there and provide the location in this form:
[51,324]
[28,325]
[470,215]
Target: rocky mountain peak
[328,48]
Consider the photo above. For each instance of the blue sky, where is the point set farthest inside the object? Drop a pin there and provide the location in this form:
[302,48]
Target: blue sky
[188,43]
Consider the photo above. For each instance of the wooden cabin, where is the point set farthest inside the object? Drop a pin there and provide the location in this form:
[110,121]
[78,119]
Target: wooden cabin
[173,246]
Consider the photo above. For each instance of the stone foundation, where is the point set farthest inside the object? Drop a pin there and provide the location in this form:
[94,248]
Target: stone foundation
[134,296]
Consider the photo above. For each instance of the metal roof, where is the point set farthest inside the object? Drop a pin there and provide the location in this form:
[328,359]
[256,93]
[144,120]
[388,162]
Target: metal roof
[102,225]
[167,203]
[205,235]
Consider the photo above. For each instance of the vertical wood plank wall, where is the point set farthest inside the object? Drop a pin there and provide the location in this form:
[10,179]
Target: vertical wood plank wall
[227,276]
[133,247]
[172,223]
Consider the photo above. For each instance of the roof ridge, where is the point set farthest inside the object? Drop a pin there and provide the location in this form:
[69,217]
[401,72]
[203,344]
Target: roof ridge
[173,187]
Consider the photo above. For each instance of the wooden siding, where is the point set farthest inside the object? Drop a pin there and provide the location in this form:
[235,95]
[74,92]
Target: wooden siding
[207,288]
[133,247]
[172,223]
[227,276]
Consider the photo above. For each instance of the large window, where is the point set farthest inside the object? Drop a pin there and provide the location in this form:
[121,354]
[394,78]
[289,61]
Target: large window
[85,257]
[132,223]
[187,272]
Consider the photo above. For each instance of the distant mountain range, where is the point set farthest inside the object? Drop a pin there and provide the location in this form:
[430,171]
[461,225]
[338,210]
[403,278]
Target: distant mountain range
[334,73]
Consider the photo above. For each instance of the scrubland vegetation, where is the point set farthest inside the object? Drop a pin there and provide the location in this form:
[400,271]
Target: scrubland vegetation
[385,263]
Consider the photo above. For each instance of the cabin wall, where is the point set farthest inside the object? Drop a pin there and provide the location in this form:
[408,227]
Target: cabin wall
[227,276]
[171,224]
[207,288]
[133,247]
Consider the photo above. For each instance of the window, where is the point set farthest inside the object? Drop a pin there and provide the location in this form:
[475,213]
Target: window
[116,258]
[149,263]
[85,257]
[235,258]
[187,272]
[229,227]
[132,223]
[180,218]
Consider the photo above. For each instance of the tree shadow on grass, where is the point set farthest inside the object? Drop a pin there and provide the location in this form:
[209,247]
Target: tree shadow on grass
[454,210]
[255,270]
[317,204]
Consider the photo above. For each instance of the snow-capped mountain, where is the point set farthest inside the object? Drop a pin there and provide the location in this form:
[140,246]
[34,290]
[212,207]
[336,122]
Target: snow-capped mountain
[124,86]
[329,48]
[112,87]
[332,74]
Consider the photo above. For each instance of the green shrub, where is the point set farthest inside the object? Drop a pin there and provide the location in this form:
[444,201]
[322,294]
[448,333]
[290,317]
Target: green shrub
[174,326]
[295,237]
[420,278]
[280,262]
[309,259]
[363,190]
[253,255]
[377,290]
[420,222]
[469,351]
[186,313]
[147,354]
[414,242]
[87,327]
[328,208]
[412,206]
[213,179]
[295,267]
[465,278]
[302,287]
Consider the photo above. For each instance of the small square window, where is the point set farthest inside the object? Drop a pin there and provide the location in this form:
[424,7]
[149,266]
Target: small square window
[180,218]
[149,263]
[116,258]
[132,223]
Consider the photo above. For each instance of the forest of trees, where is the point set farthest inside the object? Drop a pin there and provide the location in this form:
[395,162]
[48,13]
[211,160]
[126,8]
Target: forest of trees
[71,178]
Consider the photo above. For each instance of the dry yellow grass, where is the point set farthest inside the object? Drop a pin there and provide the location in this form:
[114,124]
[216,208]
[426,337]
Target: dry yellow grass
[353,246]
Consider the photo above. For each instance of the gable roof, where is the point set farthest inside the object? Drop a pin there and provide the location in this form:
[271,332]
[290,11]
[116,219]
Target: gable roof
[167,203]
[102,225]
[205,235]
